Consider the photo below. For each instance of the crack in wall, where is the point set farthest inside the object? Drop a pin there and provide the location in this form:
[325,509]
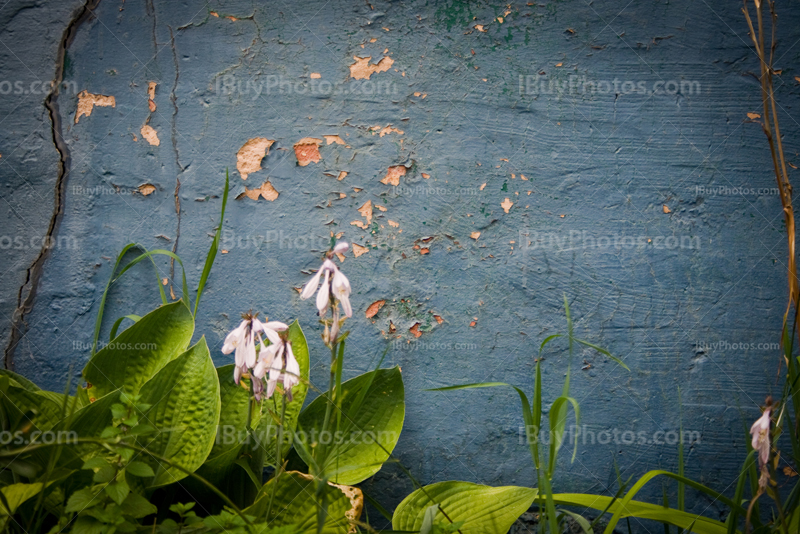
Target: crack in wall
[174,135]
[27,291]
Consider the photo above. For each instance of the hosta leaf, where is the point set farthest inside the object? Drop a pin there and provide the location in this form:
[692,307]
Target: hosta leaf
[296,502]
[373,409]
[140,351]
[185,406]
[479,509]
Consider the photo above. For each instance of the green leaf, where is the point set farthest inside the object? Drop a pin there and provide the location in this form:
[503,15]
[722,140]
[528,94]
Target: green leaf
[366,436]
[87,525]
[212,251]
[80,500]
[558,423]
[185,407]
[642,510]
[480,509]
[268,429]
[296,503]
[232,437]
[603,351]
[140,469]
[118,490]
[24,406]
[16,494]
[139,352]
[19,380]
[133,317]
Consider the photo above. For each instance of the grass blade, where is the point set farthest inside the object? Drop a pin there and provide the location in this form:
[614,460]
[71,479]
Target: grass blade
[212,251]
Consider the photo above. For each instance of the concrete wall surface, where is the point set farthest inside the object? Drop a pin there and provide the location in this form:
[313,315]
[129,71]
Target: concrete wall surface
[485,158]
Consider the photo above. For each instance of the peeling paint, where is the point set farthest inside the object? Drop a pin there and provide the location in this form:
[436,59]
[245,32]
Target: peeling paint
[394,224]
[506,204]
[415,330]
[385,130]
[381,208]
[248,158]
[475,235]
[362,69]
[330,139]
[315,76]
[150,135]
[307,150]
[374,308]
[393,175]
[151,95]
[146,189]
[358,250]
[266,191]
[87,101]
[426,175]
[366,211]
[341,176]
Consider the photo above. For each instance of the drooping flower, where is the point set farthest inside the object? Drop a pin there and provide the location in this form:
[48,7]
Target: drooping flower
[284,368]
[761,444]
[334,283]
[243,340]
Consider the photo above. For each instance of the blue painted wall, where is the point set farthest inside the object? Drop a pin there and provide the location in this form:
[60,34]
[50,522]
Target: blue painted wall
[629,124]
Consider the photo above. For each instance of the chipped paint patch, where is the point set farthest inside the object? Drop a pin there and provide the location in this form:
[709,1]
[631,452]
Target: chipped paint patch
[475,235]
[483,185]
[146,189]
[307,150]
[330,139]
[386,130]
[393,175]
[666,209]
[381,208]
[358,250]
[394,224]
[362,69]
[425,175]
[151,95]
[506,204]
[415,330]
[315,76]
[366,211]
[341,176]
[266,191]
[374,308]
[87,101]
[248,158]
[150,135]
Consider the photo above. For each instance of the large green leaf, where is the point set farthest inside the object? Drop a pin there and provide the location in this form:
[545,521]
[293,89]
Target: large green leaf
[369,425]
[185,406]
[139,352]
[24,407]
[295,500]
[20,380]
[232,435]
[643,510]
[480,509]
[16,494]
[268,430]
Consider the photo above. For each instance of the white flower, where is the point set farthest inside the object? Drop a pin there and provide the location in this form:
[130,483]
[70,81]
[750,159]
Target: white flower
[284,369]
[341,290]
[332,278]
[243,339]
[341,247]
[760,433]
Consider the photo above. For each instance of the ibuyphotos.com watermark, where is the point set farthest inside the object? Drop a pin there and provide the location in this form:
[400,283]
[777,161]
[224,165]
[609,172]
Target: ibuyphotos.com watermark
[18,242]
[233,435]
[279,239]
[610,436]
[231,85]
[113,345]
[431,346]
[705,346]
[48,437]
[35,87]
[575,85]
[724,190]
[422,190]
[583,239]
